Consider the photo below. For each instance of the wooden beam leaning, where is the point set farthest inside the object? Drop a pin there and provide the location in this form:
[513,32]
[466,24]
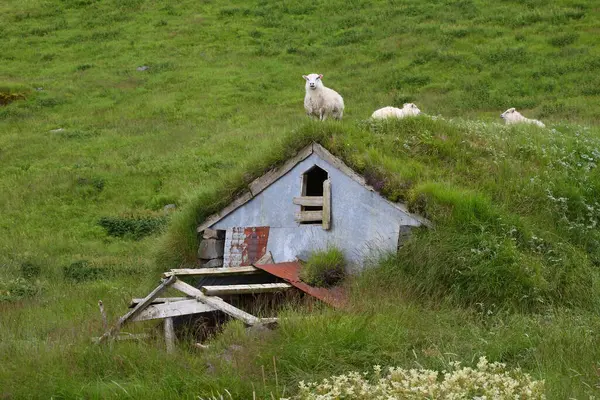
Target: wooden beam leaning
[175,309]
[313,201]
[158,300]
[326,204]
[216,290]
[216,302]
[212,271]
[309,216]
[138,308]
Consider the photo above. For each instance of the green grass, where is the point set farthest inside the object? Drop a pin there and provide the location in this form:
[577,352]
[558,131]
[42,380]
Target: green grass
[324,268]
[87,137]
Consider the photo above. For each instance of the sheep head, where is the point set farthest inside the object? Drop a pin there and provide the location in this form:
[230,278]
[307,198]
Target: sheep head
[410,109]
[313,81]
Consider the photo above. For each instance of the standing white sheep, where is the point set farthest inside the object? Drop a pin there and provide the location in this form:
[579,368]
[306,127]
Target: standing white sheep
[408,109]
[512,116]
[320,101]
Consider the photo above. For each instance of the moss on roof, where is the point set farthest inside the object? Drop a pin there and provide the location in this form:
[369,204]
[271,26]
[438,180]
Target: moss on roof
[514,207]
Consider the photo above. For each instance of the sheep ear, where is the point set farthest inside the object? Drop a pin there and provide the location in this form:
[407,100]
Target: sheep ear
[320,76]
[305,77]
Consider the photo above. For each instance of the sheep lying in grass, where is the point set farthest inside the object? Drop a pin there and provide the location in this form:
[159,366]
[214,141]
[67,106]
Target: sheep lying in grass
[512,116]
[320,101]
[409,109]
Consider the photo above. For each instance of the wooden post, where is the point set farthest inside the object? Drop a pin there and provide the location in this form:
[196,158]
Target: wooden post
[104,320]
[169,335]
[326,204]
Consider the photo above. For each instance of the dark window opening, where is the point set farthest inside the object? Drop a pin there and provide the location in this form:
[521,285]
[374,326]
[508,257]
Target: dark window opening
[312,185]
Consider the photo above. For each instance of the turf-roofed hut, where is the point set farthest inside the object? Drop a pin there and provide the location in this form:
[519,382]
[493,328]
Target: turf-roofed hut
[310,202]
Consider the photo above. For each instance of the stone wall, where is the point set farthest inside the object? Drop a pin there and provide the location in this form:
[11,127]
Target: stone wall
[211,249]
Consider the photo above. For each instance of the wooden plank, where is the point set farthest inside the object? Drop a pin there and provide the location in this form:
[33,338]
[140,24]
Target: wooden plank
[309,216]
[169,335]
[176,309]
[267,258]
[216,290]
[157,300]
[234,205]
[213,271]
[216,302]
[260,184]
[126,336]
[138,308]
[314,201]
[327,204]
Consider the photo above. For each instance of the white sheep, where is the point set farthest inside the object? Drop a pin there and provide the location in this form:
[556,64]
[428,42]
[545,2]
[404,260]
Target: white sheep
[512,116]
[407,110]
[320,101]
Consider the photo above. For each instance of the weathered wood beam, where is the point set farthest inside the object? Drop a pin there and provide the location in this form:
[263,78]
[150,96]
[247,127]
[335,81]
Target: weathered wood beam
[309,216]
[176,309]
[157,300]
[326,204]
[313,201]
[138,308]
[216,290]
[267,258]
[169,335]
[216,302]
[212,271]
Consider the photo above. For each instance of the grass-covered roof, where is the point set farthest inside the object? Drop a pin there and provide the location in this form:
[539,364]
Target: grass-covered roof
[514,208]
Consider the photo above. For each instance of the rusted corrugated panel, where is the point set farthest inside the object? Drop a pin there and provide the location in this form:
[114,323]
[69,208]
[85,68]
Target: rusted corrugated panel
[245,245]
[289,271]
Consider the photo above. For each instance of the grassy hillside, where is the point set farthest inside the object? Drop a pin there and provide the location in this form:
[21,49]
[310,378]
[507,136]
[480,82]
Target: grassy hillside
[91,149]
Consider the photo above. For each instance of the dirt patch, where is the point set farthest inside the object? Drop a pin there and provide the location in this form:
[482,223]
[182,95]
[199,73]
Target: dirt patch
[7,98]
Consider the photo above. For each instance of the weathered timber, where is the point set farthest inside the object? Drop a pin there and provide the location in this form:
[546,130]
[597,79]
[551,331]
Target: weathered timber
[175,309]
[267,258]
[309,216]
[125,336]
[169,335]
[240,201]
[138,308]
[103,313]
[216,302]
[260,184]
[314,201]
[211,248]
[157,300]
[326,204]
[213,271]
[216,290]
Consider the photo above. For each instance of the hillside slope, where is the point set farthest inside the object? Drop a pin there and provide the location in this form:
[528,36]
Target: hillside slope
[93,146]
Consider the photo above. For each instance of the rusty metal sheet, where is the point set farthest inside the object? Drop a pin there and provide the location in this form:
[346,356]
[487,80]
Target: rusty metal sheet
[245,245]
[289,272]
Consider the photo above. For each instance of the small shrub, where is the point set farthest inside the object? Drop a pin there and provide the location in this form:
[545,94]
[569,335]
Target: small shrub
[563,40]
[324,268]
[135,227]
[81,271]
[17,289]
[30,270]
[83,67]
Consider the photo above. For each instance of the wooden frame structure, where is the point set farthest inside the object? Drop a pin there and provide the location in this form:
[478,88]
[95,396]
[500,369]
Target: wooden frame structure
[196,301]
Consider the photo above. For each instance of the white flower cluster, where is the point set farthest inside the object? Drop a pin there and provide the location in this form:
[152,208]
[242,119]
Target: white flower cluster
[486,381]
